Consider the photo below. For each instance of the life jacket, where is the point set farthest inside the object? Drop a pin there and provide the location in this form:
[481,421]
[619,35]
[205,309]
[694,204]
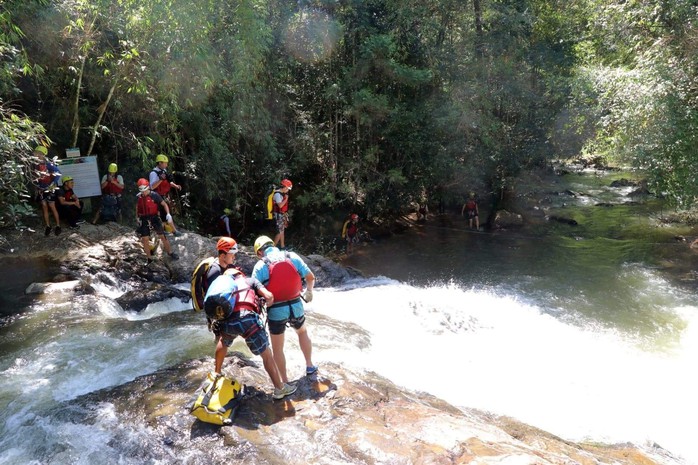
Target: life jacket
[68,195]
[272,207]
[112,189]
[164,187]
[246,296]
[46,177]
[216,400]
[284,280]
[146,206]
[470,204]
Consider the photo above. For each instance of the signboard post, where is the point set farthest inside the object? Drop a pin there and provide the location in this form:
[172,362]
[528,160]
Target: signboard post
[85,173]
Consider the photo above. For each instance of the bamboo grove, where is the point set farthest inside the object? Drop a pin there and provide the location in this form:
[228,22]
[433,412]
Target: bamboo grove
[368,105]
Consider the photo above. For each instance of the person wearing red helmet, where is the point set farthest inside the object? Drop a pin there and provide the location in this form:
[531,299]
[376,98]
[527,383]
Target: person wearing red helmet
[280,211]
[350,231]
[147,205]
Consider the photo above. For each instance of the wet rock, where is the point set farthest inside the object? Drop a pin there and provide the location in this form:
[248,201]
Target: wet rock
[504,219]
[338,416]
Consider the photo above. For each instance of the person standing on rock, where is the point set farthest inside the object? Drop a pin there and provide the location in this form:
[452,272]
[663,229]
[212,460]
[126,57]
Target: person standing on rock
[282,273]
[162,183]
[48,176]
[112,187]
[280,211]
[147,206]
[232,304]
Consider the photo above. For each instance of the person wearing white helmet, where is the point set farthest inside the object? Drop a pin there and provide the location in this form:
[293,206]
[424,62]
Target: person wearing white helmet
[282,273]
[147,206]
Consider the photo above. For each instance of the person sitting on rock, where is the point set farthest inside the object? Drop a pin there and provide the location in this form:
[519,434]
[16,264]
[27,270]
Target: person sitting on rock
[69,204]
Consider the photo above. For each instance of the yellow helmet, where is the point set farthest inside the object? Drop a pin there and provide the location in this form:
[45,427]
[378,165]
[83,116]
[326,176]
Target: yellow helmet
[42,149]
[161,158]
[261,243]
[66,179]
[113,168]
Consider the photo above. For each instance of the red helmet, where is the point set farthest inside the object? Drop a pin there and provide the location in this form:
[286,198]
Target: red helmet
[143,184]
[354,216]
[227,245]
[287,183]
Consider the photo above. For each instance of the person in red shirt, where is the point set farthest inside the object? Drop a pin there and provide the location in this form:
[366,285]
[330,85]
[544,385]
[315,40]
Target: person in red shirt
[69,203]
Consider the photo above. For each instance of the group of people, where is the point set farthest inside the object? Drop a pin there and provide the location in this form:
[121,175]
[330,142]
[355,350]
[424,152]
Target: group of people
[55,194]
[234,303]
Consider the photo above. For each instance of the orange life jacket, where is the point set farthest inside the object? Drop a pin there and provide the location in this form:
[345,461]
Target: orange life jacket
[276,209]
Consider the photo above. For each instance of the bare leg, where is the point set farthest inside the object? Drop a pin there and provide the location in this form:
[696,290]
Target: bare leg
[52,206]
[306,345]
[277,346]
[271,368]
[44,208]
[146,245]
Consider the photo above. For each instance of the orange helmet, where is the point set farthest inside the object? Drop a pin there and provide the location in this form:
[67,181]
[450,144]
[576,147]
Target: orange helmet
[227,245]
[287,183]
[143,184]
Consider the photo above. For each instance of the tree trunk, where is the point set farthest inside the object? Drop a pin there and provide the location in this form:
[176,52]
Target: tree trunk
[76,105]
[102,109]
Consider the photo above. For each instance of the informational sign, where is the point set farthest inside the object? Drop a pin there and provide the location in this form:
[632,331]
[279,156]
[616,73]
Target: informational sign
[72,153]
[85,173]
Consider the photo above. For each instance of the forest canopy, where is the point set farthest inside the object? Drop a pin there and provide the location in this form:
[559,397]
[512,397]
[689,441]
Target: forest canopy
[368,106]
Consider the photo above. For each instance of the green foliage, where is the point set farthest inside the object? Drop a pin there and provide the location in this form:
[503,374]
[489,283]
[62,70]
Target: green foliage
[18,136]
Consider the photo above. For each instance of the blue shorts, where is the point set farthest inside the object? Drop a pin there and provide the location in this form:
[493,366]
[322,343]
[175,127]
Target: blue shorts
[249,327]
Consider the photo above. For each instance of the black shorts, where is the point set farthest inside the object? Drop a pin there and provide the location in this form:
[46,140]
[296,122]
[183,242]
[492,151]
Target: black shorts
[146,222]
[279,326]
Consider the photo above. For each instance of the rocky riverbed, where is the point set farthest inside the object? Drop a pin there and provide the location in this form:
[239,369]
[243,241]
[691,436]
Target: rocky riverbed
[339,416]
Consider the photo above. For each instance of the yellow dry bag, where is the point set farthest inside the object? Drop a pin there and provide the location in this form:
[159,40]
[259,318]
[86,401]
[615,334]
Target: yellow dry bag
[216,400]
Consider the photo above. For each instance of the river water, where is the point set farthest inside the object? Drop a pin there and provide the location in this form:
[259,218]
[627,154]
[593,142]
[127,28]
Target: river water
[589,332]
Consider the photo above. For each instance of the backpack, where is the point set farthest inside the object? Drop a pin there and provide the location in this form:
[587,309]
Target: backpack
[284,280]
[270,205]
[216,400]
[198,279]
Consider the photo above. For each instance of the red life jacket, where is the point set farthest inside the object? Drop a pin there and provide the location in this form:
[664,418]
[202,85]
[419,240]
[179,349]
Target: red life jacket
[46,179]
[284,281]
[164,186]
[68,195]
[146,206]
[276,209]
[470,204]
[112,189]
[352,229]
[247,297]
